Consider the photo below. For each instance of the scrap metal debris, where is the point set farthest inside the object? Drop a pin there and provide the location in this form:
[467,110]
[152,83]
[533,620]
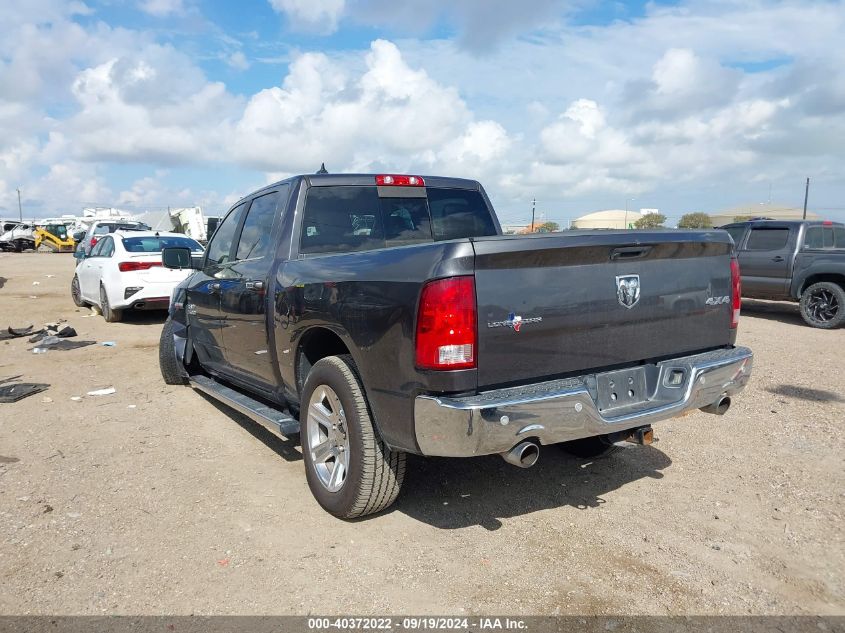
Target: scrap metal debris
[11,332]
[52,330]
[14,391]
[103,392]
[60,345]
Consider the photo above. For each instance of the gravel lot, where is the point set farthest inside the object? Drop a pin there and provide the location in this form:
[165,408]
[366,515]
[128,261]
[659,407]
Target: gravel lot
[156,500]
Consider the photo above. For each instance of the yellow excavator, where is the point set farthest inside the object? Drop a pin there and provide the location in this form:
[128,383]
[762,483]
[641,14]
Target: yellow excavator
[54,237]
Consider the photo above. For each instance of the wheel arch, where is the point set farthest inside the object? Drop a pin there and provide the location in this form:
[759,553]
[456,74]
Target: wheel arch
[809,280]
[320,342]
[314,344]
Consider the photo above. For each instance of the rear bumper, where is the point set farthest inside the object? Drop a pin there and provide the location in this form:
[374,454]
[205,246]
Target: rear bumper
[564,410]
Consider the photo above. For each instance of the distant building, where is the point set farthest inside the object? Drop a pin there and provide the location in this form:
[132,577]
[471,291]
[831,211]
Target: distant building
[610,219]
[512,229]
[760,210]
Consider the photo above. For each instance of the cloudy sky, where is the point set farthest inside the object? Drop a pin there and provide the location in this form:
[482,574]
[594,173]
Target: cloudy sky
[585,105]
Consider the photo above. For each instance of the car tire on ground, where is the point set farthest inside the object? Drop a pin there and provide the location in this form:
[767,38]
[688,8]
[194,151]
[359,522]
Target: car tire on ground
[350,470]
[823,305]
[109,314]
[590,447]
[171,369]
[76,293]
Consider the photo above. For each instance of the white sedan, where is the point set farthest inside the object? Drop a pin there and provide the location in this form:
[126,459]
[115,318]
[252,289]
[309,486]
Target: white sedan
[124,271]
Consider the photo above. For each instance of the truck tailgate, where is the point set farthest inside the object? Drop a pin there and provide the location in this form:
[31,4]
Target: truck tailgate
[552,305]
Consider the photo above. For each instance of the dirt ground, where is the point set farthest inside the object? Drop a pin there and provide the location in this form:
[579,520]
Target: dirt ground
[155,500]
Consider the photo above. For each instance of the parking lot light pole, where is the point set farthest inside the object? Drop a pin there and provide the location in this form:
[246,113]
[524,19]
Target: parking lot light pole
[20,209]
[806,193]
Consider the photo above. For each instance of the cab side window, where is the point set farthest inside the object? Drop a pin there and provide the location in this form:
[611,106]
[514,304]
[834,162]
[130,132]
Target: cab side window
[220,247]
[764,239]
[255,237]
[108,247]
[97,251]
[814,238]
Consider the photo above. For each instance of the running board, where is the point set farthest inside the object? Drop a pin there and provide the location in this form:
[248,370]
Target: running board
[273,419]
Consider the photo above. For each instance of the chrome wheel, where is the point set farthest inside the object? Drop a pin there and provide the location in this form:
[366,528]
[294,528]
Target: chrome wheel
[327,438]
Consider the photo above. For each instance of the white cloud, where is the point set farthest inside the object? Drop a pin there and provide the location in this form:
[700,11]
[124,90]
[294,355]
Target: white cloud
[321,16]
[390,114]
[481,24]
[670,102]
[152,106]
[162,8]
[238,61]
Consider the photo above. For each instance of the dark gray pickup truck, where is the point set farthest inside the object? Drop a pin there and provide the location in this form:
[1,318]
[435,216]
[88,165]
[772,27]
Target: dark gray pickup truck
[794,261]
[379,315]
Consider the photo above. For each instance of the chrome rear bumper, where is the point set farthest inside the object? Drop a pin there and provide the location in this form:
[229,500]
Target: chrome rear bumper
[564,410]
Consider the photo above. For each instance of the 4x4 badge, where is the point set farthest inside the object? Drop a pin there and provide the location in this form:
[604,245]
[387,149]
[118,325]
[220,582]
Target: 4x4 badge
[628,290]
[514,321]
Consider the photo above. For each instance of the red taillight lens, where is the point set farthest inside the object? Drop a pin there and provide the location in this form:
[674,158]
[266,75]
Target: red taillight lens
[400,181]
[446,324]
[93,241]
[128,267]
[736,293]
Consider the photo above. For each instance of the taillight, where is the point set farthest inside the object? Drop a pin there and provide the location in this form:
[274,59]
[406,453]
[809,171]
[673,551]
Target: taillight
[400,181]
[736,293]
[93,241]
[446,324]
[128,267]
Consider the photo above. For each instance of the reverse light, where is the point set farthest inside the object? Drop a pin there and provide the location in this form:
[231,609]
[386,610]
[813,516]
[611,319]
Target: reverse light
[736,293]
[392,180]
[446,324]
[128,267]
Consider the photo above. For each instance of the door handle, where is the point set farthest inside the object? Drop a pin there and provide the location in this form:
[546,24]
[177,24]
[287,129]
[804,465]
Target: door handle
[630,252]
[777,258]
[257,286]
[214,286]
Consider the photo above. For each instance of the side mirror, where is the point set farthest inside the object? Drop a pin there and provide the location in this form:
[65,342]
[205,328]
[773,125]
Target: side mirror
[177,257]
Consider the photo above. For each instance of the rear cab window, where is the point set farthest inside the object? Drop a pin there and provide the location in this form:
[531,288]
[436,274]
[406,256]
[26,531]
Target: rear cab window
[824,237]
[153,244]
[342,219]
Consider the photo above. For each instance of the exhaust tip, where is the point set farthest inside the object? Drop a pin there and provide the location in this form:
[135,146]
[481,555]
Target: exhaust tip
[720,407]
[523,455]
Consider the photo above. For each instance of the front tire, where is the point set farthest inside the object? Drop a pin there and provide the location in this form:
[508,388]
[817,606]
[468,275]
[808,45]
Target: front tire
[350,470]
[76,293]
[171,369]
[109,314]
[823,305]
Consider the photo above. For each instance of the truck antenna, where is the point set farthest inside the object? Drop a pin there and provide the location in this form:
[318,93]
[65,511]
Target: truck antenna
[322,169]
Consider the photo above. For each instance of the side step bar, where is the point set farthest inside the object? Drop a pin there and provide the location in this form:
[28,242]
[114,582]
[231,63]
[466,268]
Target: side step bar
[273,419]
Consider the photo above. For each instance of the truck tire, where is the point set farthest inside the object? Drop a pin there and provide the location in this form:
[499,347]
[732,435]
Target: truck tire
[109,314]
[823,305]
[171,369]
[590,447]
[76,293]
[351,472]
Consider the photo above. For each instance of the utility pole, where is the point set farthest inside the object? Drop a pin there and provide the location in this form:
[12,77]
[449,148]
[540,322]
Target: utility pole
[533,208]
[20,209]
[806,193]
